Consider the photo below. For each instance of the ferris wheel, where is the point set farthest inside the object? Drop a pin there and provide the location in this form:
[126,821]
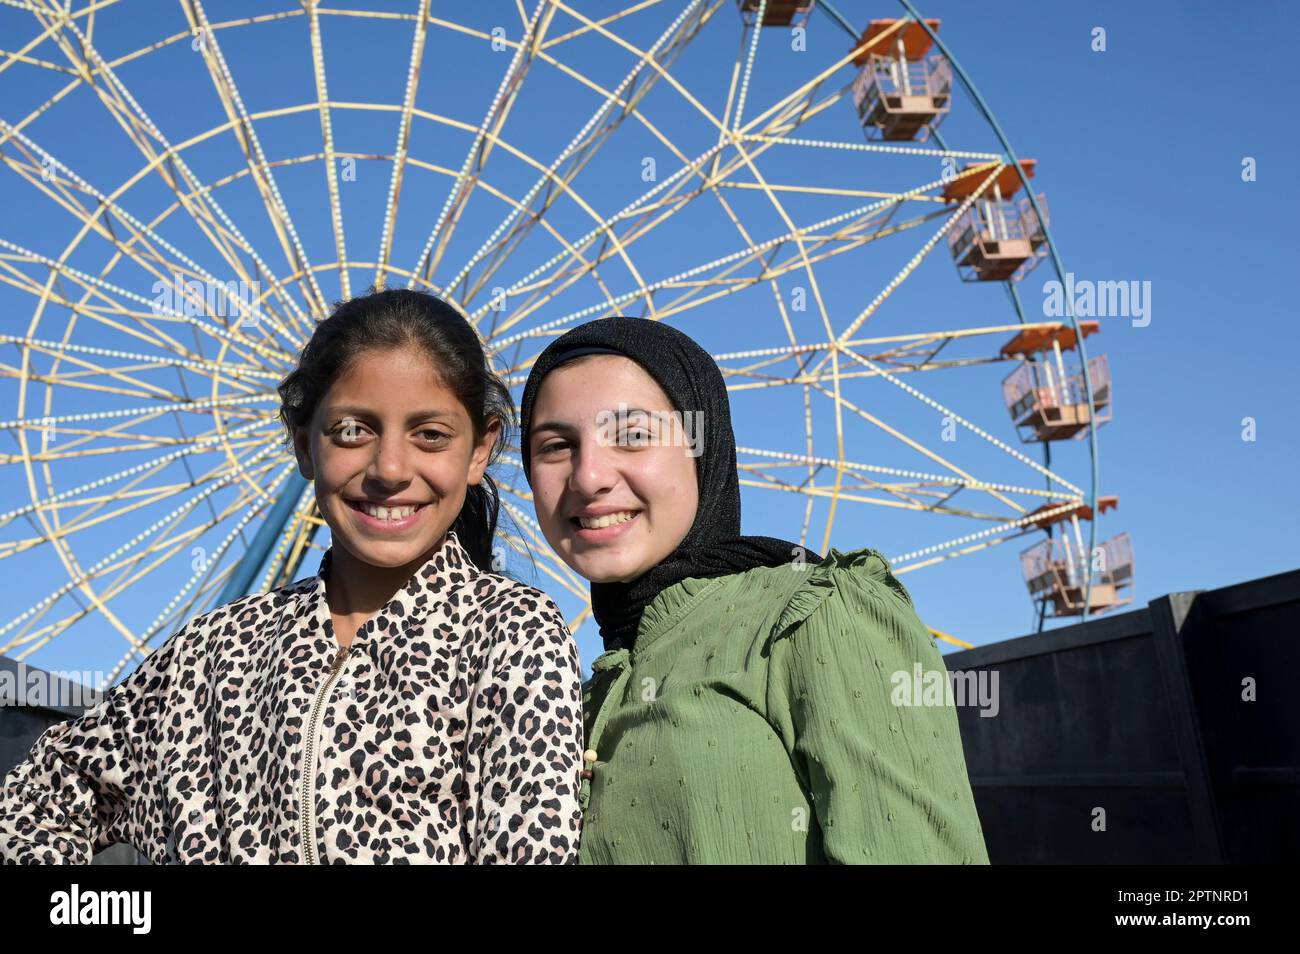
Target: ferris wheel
[186,195]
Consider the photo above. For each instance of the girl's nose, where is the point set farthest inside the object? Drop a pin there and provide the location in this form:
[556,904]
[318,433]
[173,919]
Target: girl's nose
[391,461]
[595,469]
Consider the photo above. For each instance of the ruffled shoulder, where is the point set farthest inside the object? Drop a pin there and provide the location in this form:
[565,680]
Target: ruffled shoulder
[866,569]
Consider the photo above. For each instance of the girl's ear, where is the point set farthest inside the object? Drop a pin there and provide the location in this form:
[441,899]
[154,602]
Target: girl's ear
[483,451]
[302,450]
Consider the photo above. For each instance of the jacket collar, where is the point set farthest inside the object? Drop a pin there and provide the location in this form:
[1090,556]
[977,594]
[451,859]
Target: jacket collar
[447,568]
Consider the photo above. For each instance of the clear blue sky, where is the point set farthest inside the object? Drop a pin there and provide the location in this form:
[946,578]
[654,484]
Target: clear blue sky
[1139,151]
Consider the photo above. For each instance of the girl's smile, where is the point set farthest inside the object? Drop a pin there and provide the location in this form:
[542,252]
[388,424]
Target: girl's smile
[602,529]
[387,516]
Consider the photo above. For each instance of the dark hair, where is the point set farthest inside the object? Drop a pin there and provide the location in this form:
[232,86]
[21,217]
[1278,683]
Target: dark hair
[406,318]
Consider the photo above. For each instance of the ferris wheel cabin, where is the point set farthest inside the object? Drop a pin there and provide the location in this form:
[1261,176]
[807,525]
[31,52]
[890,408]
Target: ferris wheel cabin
[903,91]
[1045,396]
[997,238]
[1056,573]
[776,13]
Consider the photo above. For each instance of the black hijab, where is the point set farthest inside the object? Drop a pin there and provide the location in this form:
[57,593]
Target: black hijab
[690,377]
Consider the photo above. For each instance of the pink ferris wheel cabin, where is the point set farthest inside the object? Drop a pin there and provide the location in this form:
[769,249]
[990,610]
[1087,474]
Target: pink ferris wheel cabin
[903,91]
[997,238]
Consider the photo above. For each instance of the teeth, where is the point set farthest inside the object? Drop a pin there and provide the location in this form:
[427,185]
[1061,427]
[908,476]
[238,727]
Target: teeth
[609,520]
[387,513]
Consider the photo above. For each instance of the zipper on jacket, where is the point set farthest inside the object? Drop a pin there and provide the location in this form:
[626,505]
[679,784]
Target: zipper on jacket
[309,761]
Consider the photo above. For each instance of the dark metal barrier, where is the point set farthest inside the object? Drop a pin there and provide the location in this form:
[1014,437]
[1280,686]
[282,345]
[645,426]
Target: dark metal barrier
[20,726]
[1166,735]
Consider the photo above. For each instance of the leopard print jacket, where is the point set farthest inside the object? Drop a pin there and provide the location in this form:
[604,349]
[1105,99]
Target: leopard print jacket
[449,731]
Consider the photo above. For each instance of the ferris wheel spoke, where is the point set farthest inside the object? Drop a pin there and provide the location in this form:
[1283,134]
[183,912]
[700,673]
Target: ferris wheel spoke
[902,342]
[227,90]
[928,496]
[865,217]
[900,359]
[403,138]
[566,267]
[204,581]
[476,158]
[21,55]
[806,262]
[104,314]
[899,499]
[678,178]
[603,228]
[146,412]
[910,478]
[588,26]
[800,261]
[145,256]
[127,384]
[130,572]
[582,146]
[820,376]
[1011,529]
[799,100]
[672,202]
[958,418]
[113,295]
[625,241]
[175,536]
[75,380]
[89,511]
[763,479]
[843,403]
[137,498]
[79,578]
[77,449]
[327,136]
[134,121]
[231,371]
[921,253]
[44,457]
[614,245]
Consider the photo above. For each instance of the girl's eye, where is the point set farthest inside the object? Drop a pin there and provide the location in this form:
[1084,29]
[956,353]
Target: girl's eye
[348,432]
[553,446]
[433,436]
[636,437]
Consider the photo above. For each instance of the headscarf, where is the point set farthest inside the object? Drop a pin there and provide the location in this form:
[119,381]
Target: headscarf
[690,377]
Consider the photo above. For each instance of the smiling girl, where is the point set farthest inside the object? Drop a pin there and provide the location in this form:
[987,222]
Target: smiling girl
[406,704]
[742,711]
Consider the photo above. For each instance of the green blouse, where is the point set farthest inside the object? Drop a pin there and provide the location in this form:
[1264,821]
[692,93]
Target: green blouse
[753,722]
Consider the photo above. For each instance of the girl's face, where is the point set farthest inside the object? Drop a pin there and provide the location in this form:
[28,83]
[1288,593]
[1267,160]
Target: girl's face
[589,461]
[392,453]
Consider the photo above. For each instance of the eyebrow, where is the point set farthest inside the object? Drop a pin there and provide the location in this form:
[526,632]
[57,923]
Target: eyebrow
[564,427]
[559,426]
[426,415]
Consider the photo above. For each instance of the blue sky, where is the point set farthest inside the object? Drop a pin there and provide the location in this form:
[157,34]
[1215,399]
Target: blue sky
[1139,151]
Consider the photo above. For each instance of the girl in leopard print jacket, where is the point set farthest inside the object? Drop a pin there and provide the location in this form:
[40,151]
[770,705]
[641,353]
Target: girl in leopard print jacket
[404,705]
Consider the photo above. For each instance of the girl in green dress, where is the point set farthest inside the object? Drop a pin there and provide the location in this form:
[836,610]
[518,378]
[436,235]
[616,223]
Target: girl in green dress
[743,710]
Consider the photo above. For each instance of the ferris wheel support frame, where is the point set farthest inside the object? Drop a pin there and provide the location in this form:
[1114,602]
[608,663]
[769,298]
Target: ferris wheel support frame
[241,581]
